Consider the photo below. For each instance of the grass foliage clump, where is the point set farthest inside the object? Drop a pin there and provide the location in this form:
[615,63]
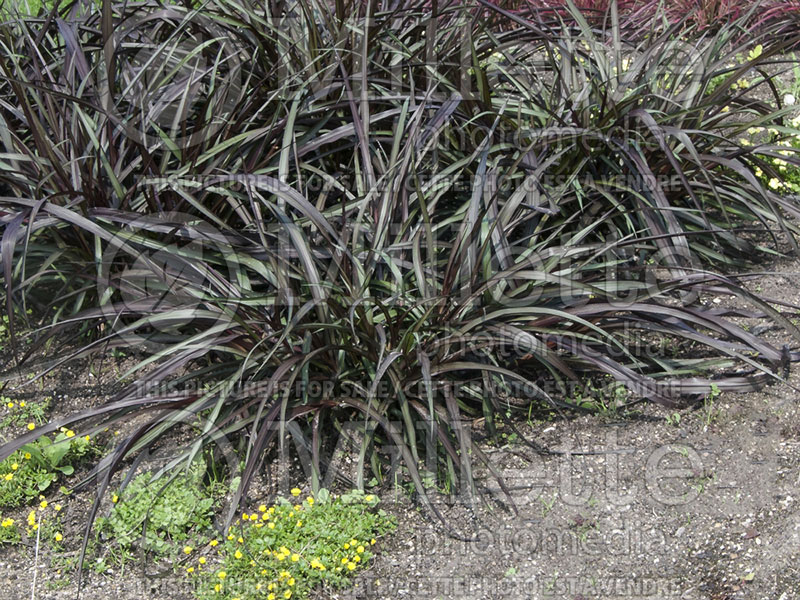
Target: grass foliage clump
[693,16]
[318,217]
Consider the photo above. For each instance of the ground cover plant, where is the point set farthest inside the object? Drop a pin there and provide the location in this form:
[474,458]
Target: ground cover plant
[285,550]
[42,525]
[158,519]
[31,470]
[23,413]
[333,226]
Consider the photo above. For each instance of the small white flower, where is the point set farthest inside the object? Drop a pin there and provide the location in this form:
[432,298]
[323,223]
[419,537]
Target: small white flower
[789,99]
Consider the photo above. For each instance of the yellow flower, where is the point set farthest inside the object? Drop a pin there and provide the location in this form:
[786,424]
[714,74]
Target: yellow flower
[369,497]
[291,581]
[351,566]
[360,549]
[271,525]
[70,433]
[187,549]
[27,456]
[238,555]
[8,476]
[346,546]
[299,523]
[32,518]
[296,492]
[245,517]
[10,405]
[190,569]
[287,594]
[295,557]
[310,500]
[222,574]
[265,517]
[217,588]
[43,504]
[262,508]
[31,426]
[202,560]
[271,596]
[114,498]
[344,560]
[356,558]
[87,438]
[22,404]
[240,539]
[213,543]
[8,522]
